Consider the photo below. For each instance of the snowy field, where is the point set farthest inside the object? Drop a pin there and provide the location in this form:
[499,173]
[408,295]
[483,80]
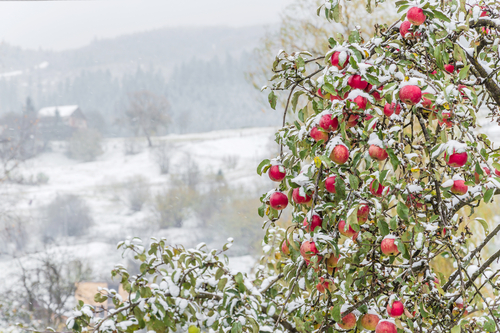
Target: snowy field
[114,220]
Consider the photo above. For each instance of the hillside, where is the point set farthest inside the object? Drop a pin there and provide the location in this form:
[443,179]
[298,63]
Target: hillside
[104,186]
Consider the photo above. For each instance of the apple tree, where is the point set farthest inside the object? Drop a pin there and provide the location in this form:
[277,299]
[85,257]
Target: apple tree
[382,166]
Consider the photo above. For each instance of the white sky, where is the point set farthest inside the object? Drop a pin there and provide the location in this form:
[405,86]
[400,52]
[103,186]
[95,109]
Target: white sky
[62,25]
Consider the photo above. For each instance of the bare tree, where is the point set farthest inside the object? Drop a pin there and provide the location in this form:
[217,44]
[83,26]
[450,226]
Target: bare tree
[146,113]
[47,288]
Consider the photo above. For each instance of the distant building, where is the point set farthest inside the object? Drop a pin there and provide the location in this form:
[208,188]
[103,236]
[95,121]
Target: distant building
[59,122]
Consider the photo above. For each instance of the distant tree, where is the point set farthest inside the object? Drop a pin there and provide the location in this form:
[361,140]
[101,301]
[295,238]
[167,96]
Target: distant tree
[146,113]
[46,288]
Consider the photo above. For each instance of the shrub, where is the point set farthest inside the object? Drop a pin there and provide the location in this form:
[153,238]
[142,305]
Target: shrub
[137,192]
[172,206]
[67,215]
[161,154]
[85,145]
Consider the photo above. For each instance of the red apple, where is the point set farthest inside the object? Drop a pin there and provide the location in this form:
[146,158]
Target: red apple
[316,223]
[416,16]
[348,232]
[414,201]
[377,153]
[275,174]
[460,304]
[486,171]
[307,250]
[484,12]
[395,309]
[330,184]
[328,123]
[426,103]
[378,192]
[461,88]
[298,198]
[278,200]
[459,187]
[457,160]
[323,285]
[389,247]
[389,109]
[348,321]
[404,29]
[352,120]
[340,59]
[340,154]
[450,68]
[317,134]
[363,213]
[375,94]
[284,247]
[360,102]
[370,320]
[331,263]
[446,120]
[410,95]
[385,326]
[357,82]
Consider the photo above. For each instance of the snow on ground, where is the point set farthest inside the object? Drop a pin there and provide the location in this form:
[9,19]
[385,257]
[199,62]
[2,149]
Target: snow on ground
[97,181]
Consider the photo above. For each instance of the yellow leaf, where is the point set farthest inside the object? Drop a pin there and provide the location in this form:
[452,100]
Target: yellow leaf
[317,161]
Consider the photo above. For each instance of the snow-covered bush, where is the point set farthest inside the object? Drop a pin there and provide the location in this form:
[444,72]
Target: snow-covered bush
[85,145]
[381,166]
[68,215]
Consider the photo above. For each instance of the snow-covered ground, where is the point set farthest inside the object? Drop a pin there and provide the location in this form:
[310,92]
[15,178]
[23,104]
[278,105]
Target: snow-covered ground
[97,181]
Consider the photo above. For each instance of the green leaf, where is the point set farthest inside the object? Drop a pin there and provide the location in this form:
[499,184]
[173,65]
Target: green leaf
[329,89]
[222,284]
[262,210]
[394,159]
[353,180]
[272,98]
[237,328]
[295,99]
[219,273]
[394,223]
[488,195]
[340,187]
[335,313]
[489,325]
[441,16]
[384,228]
[262,164]
[484,224]
[463,72]
[403,211]
[239,280]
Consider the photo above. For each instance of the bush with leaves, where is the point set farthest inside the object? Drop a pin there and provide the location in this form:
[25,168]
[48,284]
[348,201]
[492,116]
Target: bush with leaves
[85,145]
[382,170]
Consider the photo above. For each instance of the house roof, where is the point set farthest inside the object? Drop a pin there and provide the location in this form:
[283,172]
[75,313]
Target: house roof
[64,111]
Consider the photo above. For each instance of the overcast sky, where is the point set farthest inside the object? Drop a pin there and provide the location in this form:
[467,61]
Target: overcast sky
[62,25]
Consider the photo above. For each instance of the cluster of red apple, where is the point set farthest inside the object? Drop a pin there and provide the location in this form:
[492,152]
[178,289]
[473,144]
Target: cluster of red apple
[323,131]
